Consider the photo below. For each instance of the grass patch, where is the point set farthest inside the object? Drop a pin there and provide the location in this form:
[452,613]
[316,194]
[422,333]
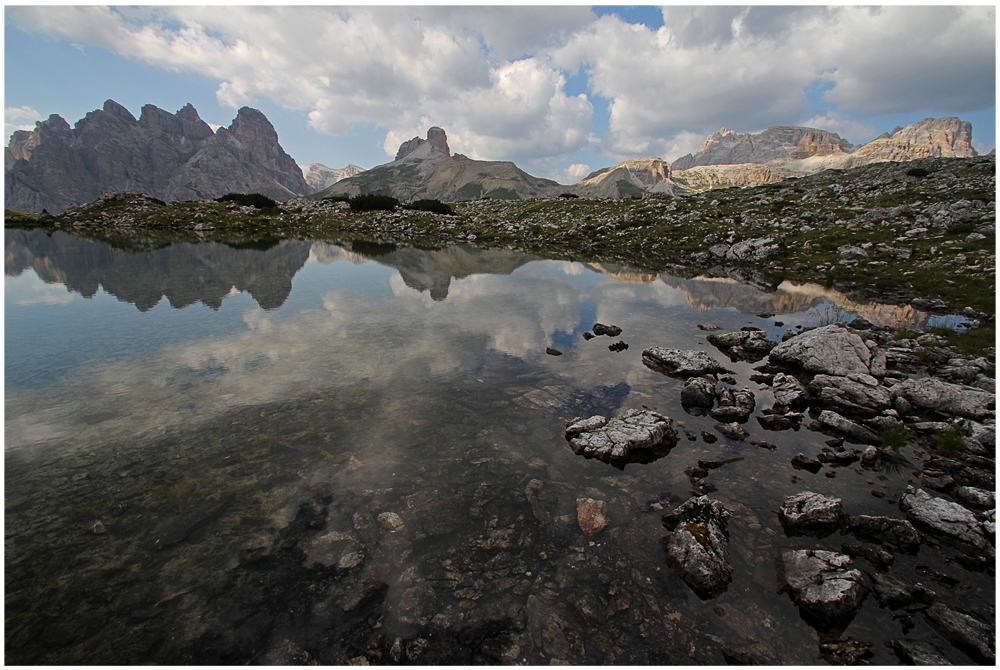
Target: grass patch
[894,436]
[973,342]
[950,441]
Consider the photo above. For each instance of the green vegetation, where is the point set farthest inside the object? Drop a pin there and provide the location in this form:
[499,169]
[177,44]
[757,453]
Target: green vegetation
[568,195]
[426,205]
[629,190]
[894,435]
[950,441]
[906,334]
[337,198]
[372,249]
[245,200]
[502,193]
[371,202]
[471,190]
[917,172]
[974,341]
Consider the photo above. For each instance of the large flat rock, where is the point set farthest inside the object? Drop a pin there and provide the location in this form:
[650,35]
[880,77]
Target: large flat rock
[934,394]
[829,350]
[637,435]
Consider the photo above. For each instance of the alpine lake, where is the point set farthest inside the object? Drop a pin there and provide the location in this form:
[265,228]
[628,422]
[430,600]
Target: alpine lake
[342,451]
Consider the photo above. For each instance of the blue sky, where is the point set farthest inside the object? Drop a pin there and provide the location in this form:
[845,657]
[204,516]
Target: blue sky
[560,90]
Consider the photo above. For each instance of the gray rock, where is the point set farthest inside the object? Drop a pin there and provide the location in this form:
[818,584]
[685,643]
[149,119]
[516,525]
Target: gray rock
[970,495]
[637,435]
[699,391]
[846,394]
[849,253]
[680,362]
[699,544]
[789,391]
[894,593]
[823,584]
[734,405]
[753,250]
[945,517]
[913,652]
[934,394]
[895,533]
[831,350]
[733,431]
[969,634]
[743,345]
[855,432]
[809,509]
[719,250]
[801,461]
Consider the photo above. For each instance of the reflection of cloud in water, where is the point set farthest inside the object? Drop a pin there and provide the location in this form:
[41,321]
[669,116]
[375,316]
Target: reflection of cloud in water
[29,290]
[571,268]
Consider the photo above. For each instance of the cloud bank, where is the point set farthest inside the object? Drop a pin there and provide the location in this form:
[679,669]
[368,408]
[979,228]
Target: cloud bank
[498,79]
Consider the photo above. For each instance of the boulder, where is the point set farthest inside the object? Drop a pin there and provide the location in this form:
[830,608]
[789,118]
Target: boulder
[592,516]
[975,497]
[831,350]
[699,392]
[637,435]
[802,462]
[914,652]
[855,432]
[789,391]
[743,345]
[855,396]
[824,584]
[754,250]
[945,517]
[610,331]
[699,544]
[733,431]
[810,509]
[734,405]
[894,533]
[850,253]
[969,634]
[894,593]
[933,394]
[680,362]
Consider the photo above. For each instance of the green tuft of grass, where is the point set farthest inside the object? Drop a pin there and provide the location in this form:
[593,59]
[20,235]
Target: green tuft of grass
[950,441]
[905,334]
[974,341]
[894,435]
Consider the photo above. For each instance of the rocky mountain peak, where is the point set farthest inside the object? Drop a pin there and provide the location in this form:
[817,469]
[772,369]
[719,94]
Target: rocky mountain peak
[155,118]
[114,109]
[251,126]
[435,144]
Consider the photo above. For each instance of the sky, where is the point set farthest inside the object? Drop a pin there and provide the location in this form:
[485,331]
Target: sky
[560,90]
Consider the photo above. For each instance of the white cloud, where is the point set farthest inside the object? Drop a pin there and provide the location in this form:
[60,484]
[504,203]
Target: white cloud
[14,119]
[836,123]
[495,78]
[575,173]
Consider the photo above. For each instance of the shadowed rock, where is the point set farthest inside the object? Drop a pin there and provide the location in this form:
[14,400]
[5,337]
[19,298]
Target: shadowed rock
[969,634]
[824,584]
[680,362]
[945,517]
[699,544]
[743,345]
[831,350]
[810,509]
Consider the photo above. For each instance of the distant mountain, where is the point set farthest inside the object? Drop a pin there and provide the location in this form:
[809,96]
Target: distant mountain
[320,176]
[425,168]
[799,149]
[164,155]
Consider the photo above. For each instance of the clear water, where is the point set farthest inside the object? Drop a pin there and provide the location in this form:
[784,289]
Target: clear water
[249,426]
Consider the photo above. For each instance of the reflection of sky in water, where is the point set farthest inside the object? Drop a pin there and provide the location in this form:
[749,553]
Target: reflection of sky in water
[340,319]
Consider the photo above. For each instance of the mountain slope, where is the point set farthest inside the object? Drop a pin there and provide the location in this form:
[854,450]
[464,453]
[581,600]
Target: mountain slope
[320,176]
[164,155]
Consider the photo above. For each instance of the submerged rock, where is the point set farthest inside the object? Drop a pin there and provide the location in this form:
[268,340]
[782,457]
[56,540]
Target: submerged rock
[896,533]
[823,584]
[810,509]
[830,350]
[733,431]
[945,517]
[637,435]
[592,516]
[680,362]
[734,405]
[699,544]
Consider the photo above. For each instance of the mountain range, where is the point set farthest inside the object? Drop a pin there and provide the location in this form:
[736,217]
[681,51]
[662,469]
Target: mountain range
[164,155]
[179,157]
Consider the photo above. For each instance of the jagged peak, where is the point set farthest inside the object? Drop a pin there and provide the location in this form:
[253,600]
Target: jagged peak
[117,110]
[437,142]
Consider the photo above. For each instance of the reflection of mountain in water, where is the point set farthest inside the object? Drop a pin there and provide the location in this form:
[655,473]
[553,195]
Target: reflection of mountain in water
[428,270]
[184,273]
[705,293]
[623,273]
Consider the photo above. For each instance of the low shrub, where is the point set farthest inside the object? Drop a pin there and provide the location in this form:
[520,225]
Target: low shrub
[894,436]
[950,441]
[256,200]
[371,202]
[337,198]
[568,195]
[918,172]
[428,205]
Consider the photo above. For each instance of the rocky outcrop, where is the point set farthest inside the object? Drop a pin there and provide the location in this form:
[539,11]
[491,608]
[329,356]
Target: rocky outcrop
[860,397]
[680,362]
[832,350]
[699,544]
[629,178]
[707,177]
[163,155]
[945,517]
[635,436]
[810,509]
[939,396]
[895,533]
[320,176]
[777,143]
[824,584]
[427,169]
[969,634]
[743,345]
[946,137]
[699,392]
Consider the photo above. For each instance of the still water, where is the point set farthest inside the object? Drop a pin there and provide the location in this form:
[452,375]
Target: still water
[329,450]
